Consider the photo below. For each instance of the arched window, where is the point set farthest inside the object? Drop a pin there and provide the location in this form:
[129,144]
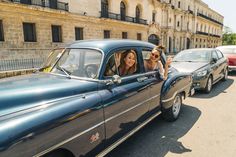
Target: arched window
[153,38]
[122,11]
[138,14]
[104,9]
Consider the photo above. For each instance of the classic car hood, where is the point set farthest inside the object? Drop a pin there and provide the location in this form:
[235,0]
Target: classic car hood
[188,67]
[22,92]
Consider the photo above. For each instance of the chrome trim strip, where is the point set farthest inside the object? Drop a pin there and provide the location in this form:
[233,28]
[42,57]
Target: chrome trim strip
[110,148]
[139,104]
[68,140]
[95,126]
[171,98]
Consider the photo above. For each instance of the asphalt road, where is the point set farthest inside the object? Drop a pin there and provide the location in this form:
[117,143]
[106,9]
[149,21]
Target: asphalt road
[206,128]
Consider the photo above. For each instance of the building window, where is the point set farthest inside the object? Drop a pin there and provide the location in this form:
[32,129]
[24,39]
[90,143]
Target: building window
[124,35]
[178,24]
[122,11]
[153,17]
[170,1]
[29,32]
[53,4]
[138,14]
[79,33]
[1,31]
[106,34]
[25,1]
[104,8]
[139,36]
[179,4]
[56,33]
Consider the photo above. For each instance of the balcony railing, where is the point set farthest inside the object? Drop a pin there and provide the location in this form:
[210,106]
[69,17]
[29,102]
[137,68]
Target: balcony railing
[201,33]
[208,18]
[217,36]
[45,3]
[208,34]
[126,18]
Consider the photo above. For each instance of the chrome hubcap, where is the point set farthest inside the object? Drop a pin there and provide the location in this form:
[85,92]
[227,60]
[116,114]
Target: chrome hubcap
[209,84]
[176,106]
[226,74]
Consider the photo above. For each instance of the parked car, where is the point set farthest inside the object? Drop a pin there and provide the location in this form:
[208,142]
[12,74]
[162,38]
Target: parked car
[71,107]
[206,65]
[230,53]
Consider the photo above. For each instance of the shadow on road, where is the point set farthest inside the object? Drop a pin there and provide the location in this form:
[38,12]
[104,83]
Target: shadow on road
[159,137]
[218,88]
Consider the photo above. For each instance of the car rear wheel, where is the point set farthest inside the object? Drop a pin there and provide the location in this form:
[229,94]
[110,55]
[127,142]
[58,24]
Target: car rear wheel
[208,87]
[173,112]
[225,75]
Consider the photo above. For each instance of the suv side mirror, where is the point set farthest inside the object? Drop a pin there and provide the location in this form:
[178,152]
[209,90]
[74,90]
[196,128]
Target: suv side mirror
[213,60]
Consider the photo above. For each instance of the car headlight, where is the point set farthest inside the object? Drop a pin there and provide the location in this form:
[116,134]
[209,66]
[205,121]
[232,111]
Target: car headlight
[201,73]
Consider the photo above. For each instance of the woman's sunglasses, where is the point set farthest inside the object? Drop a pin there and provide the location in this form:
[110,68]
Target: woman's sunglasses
[155,55]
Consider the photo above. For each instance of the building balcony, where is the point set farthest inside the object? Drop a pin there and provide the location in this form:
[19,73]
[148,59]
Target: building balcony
[217,36]
[210,19]
[190,11]
[114,16]
[208,34]
[53,4]
[202,33]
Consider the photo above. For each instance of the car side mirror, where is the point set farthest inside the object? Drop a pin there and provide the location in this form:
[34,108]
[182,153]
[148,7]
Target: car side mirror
[116,79]
[213,60]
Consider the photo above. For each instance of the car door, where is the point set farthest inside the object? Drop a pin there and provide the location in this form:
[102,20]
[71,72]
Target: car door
[222,63]
[215,65]
[155,83]
[125,103]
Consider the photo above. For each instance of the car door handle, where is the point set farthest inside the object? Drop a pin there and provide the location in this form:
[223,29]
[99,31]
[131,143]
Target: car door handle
[142,79]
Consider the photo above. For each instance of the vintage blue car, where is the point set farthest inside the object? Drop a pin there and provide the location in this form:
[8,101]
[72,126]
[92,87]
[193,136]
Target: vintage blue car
[78,105]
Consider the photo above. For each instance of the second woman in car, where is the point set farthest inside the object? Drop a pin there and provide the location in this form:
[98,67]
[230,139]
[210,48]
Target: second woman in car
[154,62]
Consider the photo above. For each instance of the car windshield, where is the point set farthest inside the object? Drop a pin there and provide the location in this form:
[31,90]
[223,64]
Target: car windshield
[51,60]
[228,50]
[77,62]
[192,56]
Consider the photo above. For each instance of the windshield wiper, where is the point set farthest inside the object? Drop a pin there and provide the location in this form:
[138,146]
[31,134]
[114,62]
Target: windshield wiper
[64,70]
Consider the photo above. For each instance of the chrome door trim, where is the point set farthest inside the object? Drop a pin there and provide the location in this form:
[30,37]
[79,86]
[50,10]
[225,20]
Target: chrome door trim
[139,104]
[67,140]
[113,146]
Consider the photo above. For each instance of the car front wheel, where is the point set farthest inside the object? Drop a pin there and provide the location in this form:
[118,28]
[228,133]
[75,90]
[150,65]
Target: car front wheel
[209,85]
[173,112]
[225,75]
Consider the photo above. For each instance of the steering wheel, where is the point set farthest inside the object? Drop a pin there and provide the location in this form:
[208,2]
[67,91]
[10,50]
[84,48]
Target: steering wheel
[91,70]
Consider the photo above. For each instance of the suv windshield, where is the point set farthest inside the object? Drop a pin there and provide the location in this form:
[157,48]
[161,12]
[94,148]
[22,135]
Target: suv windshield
[193,56]
[76,62]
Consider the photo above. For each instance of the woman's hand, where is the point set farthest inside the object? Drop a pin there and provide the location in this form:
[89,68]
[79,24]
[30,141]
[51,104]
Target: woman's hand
[168,61]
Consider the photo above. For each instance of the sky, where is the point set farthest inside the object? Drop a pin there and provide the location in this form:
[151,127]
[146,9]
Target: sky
[227,8]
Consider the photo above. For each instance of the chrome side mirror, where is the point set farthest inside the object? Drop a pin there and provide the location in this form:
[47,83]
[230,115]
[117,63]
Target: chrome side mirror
[116,79]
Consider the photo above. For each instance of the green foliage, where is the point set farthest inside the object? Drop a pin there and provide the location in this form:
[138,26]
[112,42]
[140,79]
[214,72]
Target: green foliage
[229,39]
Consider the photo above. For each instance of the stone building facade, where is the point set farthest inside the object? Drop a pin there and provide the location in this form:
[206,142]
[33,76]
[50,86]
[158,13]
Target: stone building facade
[30,28]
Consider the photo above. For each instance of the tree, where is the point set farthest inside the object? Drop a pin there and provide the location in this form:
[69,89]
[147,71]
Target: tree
[229,38]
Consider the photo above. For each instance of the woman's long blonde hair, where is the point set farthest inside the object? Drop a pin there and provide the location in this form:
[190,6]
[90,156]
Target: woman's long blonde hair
[122,61]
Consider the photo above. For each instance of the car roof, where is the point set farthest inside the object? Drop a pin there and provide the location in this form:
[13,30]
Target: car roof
[200,49]
[227,46]
[108,44]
